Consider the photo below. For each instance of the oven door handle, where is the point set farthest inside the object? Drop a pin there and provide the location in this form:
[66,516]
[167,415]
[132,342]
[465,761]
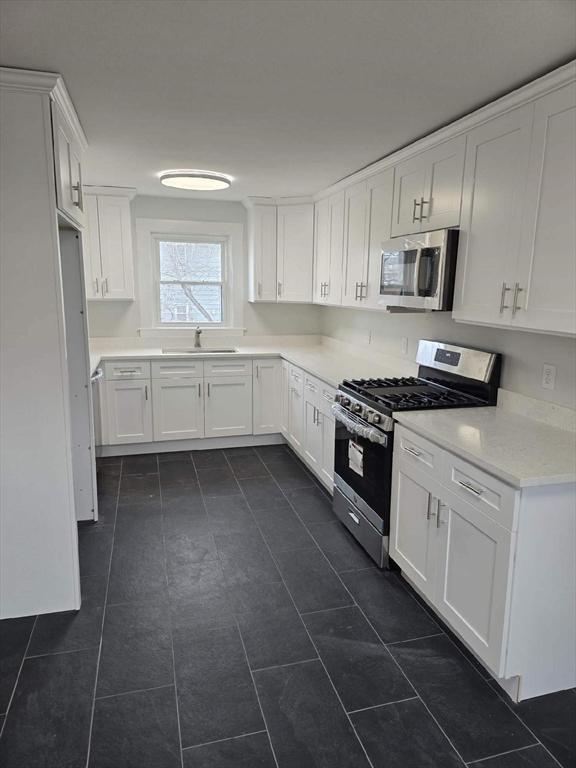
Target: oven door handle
[359,427]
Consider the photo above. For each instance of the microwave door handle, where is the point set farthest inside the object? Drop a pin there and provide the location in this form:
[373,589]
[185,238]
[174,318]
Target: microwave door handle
[417,267]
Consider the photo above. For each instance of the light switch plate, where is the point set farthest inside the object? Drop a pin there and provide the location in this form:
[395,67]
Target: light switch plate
[548,376]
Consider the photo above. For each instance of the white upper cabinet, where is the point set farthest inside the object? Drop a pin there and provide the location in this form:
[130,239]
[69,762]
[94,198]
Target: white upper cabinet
[68,168]
[546,276]
[295,251]
[108,252]
[262,253]
[328,249]
[355,267]
[493,198]
[428,189]
[380,193]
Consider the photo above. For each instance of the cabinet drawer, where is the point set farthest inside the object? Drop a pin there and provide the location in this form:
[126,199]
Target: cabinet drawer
[487,493]
[115,370]
[237,366]
[418,450]
[327,395]
[178,369]
[296,376]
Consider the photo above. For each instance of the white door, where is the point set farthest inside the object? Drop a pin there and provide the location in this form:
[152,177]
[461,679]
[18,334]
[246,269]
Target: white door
[228,406]
[493,195]
[267,396]
[129,411]
[547,263]
[474,577]
[409,186]
[355,244]
[262,247]
[178,408]
[295,252]
[328,429]
[321,250]
[296,417]
[115,228]
[91,250]
[413,531]
[285,399]
[312,442]
[443,185]
[381,192]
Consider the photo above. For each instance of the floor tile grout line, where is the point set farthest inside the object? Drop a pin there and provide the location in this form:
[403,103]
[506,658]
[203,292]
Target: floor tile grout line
[70,650]
[288,664]
[18,675]
[327,610]
[384,704]
[369,762]
[220,741]
[136,690]
[104,614]
[502,754]
[169,608]
[414,639]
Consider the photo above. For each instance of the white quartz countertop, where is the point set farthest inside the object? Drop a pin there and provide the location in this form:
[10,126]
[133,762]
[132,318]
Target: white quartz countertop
[521,451]
[320,361]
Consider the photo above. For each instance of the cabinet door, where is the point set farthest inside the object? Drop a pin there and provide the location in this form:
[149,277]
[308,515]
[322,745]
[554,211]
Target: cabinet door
[228,406]
[262,250]
[91,250]
[409,186]
[474,577]
[68,168]
[321,250]
[493,195]
[413,533]
[355,244]
[333,289]
[285,399]
[296,417]
[295,252]
[115,228]
[178,408]
[267,396]
[328,428]
[312,436]
[547,263]
[381,192]
[443,185]
[129,411]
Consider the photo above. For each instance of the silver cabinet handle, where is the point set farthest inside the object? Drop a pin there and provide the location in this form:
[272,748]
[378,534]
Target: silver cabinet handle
[515,306]
[355,518]
[504,306]
[96,286]
[78,189]
[471,488]
[199,389]
[104,286]
[257,371]
[358,294]
[431,500]
[279,289]
[259,289]
[128,372]
[439,520]
[208,392]
[414,217]
[413,451]
[146,391]
[422,204]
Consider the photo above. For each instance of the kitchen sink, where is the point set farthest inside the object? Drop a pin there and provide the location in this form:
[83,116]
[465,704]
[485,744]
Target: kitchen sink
[197,351]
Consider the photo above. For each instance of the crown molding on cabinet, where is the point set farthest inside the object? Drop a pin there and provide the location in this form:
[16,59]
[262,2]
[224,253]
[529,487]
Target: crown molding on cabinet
[103,191]
[50,83]
[523,95]
[250,202]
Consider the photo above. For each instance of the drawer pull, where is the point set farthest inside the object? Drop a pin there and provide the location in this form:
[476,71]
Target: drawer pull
[128,373]
[355,518]
[328,397]
[471,488]
[413,451]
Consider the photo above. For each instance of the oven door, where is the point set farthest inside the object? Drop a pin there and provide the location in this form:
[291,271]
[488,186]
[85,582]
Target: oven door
[364,466]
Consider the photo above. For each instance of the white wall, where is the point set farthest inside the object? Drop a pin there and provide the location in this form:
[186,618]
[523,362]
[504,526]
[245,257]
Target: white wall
[524,353]
[114,319]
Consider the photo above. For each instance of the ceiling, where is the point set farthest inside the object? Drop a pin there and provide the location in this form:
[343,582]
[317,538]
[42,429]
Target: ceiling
[288,96]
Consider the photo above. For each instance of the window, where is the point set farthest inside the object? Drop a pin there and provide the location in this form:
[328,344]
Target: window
[191,281]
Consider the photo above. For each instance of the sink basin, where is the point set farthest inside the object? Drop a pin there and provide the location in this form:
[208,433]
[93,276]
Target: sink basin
[200,351]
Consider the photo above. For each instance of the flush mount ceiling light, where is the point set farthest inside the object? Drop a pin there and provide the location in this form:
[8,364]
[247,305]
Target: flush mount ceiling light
[196,181]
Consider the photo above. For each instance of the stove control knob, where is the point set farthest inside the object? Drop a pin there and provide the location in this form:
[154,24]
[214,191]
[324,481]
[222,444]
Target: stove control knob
[345,402]
[357,408]
[376,418]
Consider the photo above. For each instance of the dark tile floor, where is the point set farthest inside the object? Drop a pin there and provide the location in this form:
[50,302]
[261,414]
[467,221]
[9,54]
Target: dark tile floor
[229,621]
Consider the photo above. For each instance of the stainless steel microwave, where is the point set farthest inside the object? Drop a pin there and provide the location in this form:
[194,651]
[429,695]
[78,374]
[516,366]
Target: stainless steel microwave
[417,271]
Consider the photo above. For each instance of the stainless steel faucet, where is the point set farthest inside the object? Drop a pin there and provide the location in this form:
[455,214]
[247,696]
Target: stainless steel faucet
[197,334]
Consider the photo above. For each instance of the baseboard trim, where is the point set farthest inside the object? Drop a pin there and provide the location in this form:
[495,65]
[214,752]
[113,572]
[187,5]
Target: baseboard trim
[199,444]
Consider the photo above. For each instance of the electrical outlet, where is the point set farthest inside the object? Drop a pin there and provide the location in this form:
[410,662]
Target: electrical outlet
[548,376]
[404,345]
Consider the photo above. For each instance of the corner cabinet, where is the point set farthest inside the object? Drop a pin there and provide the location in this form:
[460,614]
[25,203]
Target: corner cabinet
[468,543]
[295,251]
[262,253]
[107,246]
[328,249]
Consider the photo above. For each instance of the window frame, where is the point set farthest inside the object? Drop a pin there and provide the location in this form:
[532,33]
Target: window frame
[226,288]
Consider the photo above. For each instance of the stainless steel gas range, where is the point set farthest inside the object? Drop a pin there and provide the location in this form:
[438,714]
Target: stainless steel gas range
[448,377]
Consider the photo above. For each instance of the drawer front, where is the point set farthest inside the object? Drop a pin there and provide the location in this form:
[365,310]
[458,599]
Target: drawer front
[178,369]
[117,370]
[312,389]
[236,366]
[485,492]
[296,379]
[359,527]
[418,450]
[327,395]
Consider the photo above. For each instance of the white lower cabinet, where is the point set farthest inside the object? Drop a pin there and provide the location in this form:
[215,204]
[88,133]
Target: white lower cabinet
[296,415]
[228,406]
[178,408]
[328,428]
[312,439]
[284,398]
[129,411]
[318,428]
[266,380]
